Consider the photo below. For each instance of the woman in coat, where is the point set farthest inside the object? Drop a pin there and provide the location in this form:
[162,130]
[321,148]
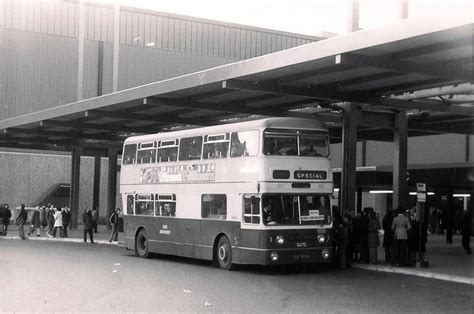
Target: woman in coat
[35,222]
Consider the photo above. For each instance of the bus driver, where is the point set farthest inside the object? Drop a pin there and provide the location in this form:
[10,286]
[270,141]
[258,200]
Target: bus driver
[268,217]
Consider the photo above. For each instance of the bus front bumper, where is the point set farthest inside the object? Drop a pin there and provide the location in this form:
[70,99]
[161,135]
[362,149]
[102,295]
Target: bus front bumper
[283,256]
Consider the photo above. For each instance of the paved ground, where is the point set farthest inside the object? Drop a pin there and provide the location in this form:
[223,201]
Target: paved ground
[447,261]
[49,276]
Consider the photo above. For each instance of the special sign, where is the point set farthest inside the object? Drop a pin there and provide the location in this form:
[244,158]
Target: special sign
[179,173]
[310,175]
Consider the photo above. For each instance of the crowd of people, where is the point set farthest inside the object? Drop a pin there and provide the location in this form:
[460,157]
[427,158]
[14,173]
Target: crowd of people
[357,236]
[53,221]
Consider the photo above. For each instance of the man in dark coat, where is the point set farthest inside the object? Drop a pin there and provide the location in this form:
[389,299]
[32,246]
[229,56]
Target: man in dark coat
[21,220]
[114,221]
[87,223]
[66,220]
[35,222]
[466,230]
[388,235]
[6,216]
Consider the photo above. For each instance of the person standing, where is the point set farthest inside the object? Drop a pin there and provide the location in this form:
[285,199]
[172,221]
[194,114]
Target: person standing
[66,220]
[58,222]
[400,226]
[114,221]
[373,236]
[466,230]
[341,237]
[87,223]
[35,222]
[6,216]
[50,219]
[388,235]
[21,220]
[95,219]
[44,218]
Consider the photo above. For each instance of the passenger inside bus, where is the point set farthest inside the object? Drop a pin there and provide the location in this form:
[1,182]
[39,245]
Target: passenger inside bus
[220,209]
[268,217]
[168,210]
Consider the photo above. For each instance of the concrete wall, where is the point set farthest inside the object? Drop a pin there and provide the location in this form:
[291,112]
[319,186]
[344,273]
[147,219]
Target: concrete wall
[25,178]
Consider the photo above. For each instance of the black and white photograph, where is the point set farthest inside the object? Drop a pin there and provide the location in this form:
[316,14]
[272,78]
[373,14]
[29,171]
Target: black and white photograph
[251,156]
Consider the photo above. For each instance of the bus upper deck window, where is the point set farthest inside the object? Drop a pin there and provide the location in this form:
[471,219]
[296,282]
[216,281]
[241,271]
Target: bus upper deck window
[244,143]
[129,154]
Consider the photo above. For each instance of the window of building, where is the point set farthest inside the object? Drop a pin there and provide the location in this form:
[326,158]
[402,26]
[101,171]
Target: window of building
[129,154]
[244,143]
[216,146]
[251,209]
[144,204]
[165,205]
[214,206]
[146,153]
[168,151]
[190,148]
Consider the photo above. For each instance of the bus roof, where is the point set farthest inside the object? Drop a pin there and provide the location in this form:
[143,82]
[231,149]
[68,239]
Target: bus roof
[285,122]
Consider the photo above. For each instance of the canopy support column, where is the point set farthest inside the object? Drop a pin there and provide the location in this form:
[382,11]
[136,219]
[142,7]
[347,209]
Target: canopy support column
[96,191]
[112,184]
[349,151]
[399,197]
[75,184]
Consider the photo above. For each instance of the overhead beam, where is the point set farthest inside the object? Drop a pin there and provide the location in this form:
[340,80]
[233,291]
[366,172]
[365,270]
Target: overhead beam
[231,108]
[443,70]
[420,105]
[105,127]
[41,132]
[273,88]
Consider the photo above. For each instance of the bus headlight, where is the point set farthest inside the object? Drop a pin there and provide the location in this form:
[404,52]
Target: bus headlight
[321,238]
[274,256]
[280,239]
[325,254]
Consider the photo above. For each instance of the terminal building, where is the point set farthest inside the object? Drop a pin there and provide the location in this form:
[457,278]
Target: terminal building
[57,53]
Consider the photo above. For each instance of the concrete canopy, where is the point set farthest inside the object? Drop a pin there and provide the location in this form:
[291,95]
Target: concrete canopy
[423,67]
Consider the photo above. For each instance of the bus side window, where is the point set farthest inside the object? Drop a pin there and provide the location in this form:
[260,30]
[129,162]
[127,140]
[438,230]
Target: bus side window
[165,205]
[144,205]
[214,206]
[190,148]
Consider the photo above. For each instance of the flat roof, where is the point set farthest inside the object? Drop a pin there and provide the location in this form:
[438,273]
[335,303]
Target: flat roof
[422,66]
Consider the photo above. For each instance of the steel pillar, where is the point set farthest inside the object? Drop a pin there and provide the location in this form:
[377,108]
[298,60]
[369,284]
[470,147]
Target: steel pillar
[399,196]
[353,21]
[75,184]
[80,53]
[116,44]
[349,151]
[96,191]
[112,184]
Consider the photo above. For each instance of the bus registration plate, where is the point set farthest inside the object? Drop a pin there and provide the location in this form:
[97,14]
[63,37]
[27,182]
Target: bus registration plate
[300,257]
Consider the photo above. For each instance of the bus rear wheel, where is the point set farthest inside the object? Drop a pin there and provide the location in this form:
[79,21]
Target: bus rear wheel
[141,244]
[224,253]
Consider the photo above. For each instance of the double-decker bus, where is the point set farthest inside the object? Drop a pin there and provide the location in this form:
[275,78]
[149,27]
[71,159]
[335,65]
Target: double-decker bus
[254,192]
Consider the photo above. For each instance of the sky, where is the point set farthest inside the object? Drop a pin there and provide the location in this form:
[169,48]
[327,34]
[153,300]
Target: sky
[309,17]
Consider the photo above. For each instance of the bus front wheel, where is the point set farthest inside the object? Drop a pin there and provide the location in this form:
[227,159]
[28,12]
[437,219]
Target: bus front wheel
[141,244]
[224,253]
